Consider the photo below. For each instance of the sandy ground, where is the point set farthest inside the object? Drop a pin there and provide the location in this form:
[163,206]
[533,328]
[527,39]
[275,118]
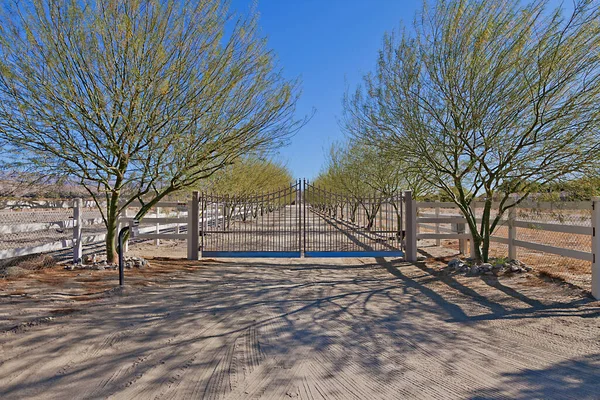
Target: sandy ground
[301,328]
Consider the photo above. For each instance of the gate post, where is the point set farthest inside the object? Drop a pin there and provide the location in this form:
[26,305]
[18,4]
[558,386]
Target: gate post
[411,227]
[596,247]
[193,227]
[77,230]
[512,233]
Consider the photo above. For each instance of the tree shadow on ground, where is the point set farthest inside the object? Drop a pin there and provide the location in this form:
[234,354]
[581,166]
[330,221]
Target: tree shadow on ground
[375,322]
[576,378]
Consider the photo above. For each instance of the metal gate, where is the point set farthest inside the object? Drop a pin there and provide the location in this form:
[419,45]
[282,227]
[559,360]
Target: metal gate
[341,225]
[301,220]
[259,225]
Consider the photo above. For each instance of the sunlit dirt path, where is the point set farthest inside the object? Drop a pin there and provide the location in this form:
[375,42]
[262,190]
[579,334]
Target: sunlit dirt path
[312,329]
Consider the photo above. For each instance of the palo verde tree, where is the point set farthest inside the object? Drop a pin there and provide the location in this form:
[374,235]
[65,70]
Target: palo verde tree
[488,99]
[249,176]
[368,176]
[136,99]
[249,186]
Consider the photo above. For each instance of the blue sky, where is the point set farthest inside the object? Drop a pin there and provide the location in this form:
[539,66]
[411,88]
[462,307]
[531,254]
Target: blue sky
[326,43]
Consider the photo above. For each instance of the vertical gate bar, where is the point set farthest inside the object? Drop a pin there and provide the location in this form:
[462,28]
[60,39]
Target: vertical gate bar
[281,228]
[328,226]
[267,226]
[277,222]
[300,200]
[210,215]
[273,218]
[248,222]
[332,234]
[402,223]
[211,222]
[346,216]
[320,217]
[202,231]
[274,221]
[214,240]
[370,208]
[247,227]
[261,227]
[380,222]
[303,205]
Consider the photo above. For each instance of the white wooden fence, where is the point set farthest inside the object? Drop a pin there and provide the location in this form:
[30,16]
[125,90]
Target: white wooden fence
[188,215]
[160,222]
[433,221]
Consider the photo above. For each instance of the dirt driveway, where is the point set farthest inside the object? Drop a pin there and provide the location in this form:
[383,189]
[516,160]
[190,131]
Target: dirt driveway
[311,329]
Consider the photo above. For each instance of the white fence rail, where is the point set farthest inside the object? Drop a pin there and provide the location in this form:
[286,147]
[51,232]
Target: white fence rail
[160,223]
[187,216]
[434,221]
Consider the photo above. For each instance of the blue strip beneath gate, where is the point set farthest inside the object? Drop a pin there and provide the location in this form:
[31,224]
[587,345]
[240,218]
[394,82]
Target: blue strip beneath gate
[352,254]
[252,254]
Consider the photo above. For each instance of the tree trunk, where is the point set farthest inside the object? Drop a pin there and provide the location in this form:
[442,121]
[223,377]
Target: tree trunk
[485,225]
[112,217]
[472,223]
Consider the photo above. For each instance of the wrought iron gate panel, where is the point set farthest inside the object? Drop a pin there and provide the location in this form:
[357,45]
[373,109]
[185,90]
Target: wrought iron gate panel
[259,225]
[301,219]
[338,225]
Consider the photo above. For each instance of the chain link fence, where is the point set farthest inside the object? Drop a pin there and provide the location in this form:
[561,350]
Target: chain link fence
[38,226]
[532,228]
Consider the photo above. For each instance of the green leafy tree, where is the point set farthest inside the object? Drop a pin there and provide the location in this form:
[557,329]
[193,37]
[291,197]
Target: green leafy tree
[249,186]
[486,99]
[136,99]
[367,176]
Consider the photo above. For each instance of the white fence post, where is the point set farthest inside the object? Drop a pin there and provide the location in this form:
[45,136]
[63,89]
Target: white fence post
[411,227]
[157,240]
[438,242]
[512,233]
[77,230]
[462,243]
[596,247]
[193,227]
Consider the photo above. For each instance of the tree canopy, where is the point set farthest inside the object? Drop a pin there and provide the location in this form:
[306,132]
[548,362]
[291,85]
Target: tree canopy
[136,99]
[487,98]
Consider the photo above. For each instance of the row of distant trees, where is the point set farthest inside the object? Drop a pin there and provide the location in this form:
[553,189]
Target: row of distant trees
[249,175]
[480,100]
[136,99]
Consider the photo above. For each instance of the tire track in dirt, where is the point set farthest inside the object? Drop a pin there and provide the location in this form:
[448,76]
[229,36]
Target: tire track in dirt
[353,333]
[209,342]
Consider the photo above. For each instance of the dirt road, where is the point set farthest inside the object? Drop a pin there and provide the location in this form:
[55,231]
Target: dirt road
[312,329]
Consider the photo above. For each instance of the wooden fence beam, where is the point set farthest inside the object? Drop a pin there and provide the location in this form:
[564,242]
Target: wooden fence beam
[77,230]
[193,241]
